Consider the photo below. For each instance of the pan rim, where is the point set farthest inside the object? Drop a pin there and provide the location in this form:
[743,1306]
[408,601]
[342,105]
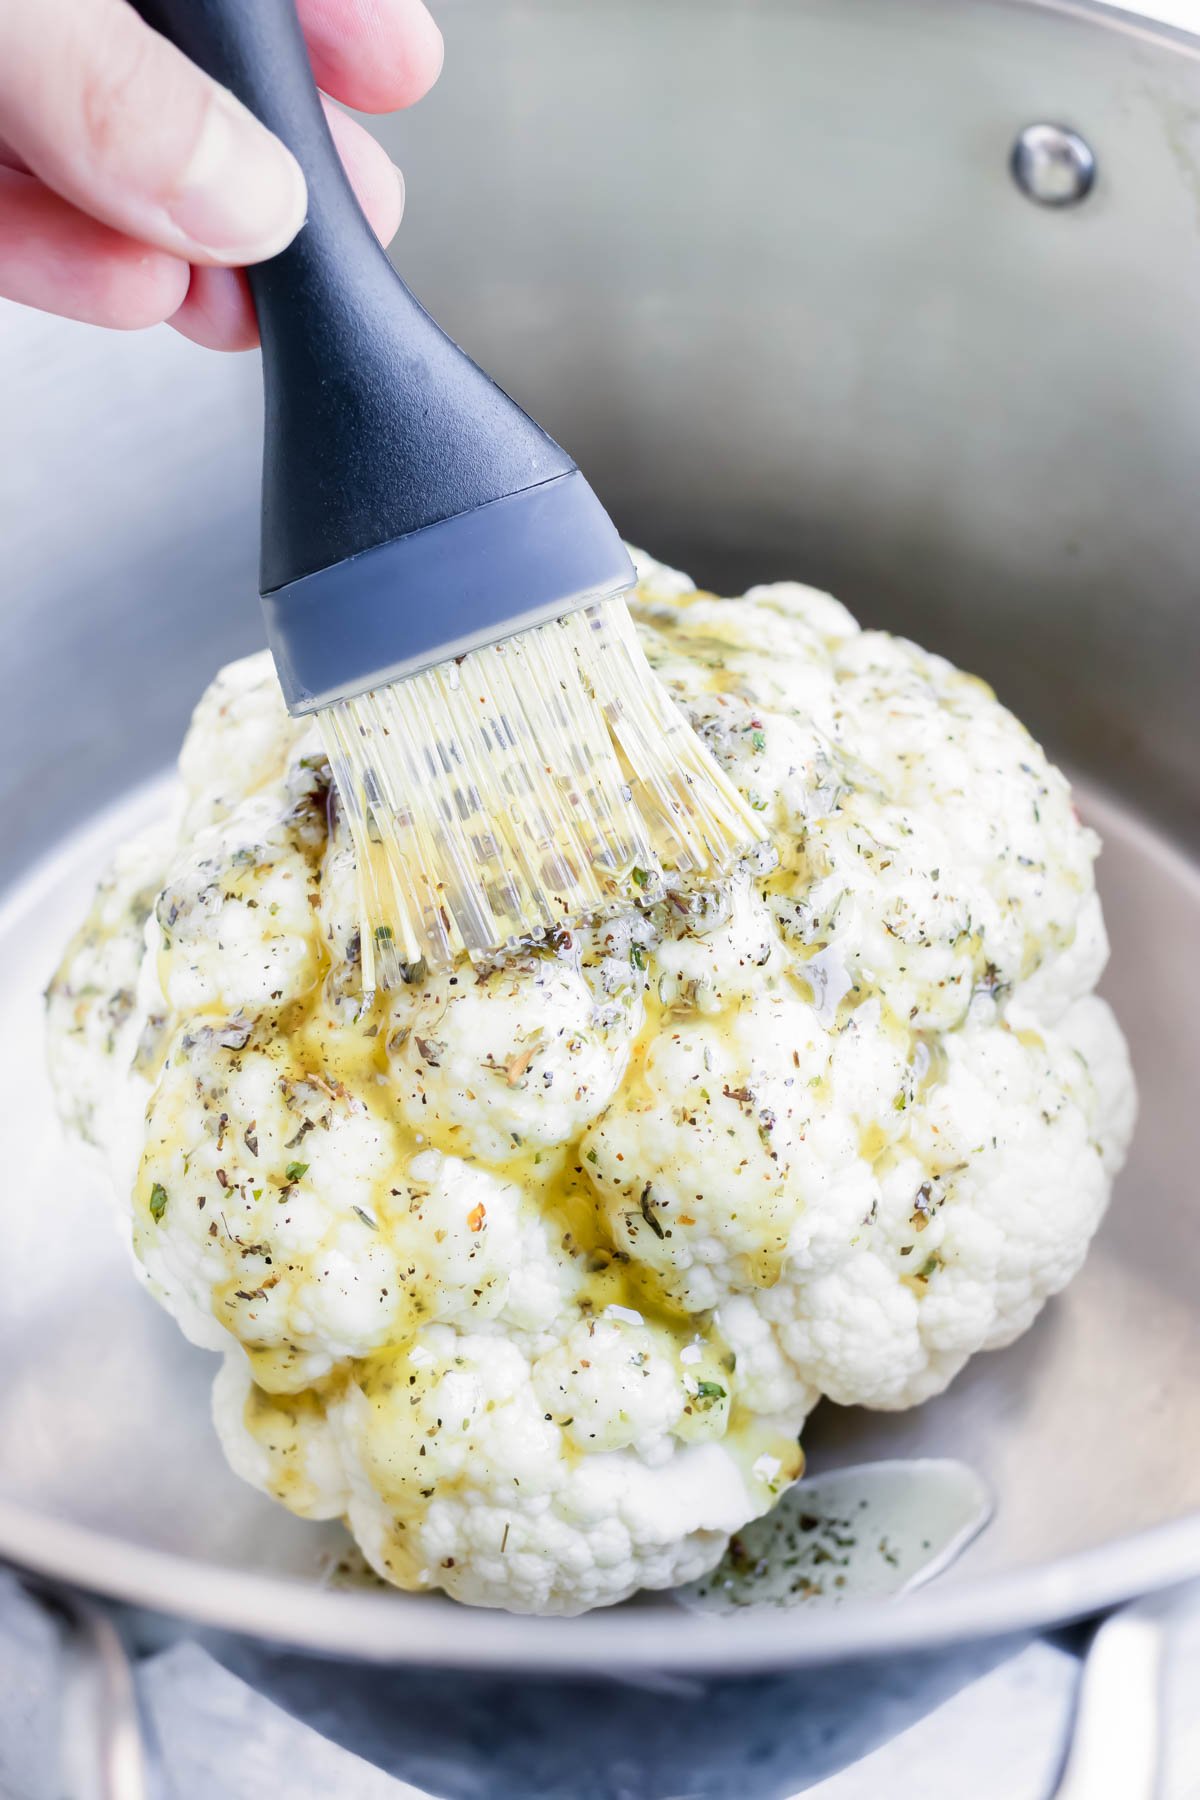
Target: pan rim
[437,1632]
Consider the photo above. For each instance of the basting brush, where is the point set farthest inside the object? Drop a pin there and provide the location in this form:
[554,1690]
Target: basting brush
[443,589]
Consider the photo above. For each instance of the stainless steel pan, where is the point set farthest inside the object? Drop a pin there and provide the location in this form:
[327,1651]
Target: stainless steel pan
[767,271]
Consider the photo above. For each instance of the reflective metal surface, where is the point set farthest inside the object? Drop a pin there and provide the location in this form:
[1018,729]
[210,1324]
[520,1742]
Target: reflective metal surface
[101,1746]
[1116,1733]
[1053,165]
[766,271]
[1086,1432]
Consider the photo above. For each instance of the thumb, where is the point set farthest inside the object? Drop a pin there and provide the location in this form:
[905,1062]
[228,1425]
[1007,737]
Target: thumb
[116,120]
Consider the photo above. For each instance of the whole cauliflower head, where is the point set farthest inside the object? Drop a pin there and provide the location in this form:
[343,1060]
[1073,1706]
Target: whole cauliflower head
[531,1272]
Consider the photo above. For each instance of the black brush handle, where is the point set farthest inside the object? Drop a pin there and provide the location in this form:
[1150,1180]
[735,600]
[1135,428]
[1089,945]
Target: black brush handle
[376,423]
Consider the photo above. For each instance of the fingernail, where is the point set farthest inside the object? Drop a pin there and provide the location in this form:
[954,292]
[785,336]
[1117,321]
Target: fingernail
[243,196]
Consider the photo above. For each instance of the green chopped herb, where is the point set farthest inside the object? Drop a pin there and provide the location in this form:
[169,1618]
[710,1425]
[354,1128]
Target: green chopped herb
[158,1201]
[592,1157]
[637,957]
[639,877]
[710,1392]
[383,934]
[758,740]
[295,1170]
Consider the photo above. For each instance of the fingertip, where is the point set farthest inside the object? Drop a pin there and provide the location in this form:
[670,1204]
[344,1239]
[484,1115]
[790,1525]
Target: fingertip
[373,55]
[134,293]
[424,49]
[56,258]
[217,311]
[376,180]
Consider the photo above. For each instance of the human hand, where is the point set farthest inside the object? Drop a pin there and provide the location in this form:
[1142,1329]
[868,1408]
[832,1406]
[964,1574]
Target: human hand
[133,188]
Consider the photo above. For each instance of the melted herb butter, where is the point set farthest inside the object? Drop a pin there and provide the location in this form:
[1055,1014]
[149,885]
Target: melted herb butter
[649,1276]
[873,1142]
[770,1460]
[283,1427]
[871,1532]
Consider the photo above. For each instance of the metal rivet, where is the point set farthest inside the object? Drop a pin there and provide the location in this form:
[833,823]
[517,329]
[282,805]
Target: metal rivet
[1052,165]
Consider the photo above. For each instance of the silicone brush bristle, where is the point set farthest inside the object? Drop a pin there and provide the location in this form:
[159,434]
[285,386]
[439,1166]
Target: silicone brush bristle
[542,780]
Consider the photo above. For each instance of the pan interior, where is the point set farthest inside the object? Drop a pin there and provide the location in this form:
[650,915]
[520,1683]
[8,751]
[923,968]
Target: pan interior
[1087,1430]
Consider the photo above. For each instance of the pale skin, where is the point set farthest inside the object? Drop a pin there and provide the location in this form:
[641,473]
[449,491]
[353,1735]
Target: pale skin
[134,190]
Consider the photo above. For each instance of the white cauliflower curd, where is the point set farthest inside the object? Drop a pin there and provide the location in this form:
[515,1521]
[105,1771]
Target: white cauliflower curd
[531,1272]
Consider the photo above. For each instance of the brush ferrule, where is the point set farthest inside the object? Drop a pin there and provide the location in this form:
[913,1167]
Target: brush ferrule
[443,591]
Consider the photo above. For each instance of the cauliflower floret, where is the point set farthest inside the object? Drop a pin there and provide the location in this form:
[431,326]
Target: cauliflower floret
[612,1386]
[454,1469]
[494,1064]
[919,825]
[720,1163]
[531,1273]
[240,741]
[281,1443]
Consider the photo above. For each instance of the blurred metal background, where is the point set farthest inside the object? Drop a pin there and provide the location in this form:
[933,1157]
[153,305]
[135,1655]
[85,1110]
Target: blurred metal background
[765,270]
